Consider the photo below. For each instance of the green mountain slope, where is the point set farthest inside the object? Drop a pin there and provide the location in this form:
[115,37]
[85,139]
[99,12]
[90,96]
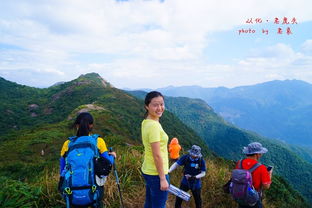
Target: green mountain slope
[29,177]
[24,106]
[227,141]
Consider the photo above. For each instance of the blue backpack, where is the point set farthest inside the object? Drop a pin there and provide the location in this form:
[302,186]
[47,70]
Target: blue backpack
[241,187]
[79,186]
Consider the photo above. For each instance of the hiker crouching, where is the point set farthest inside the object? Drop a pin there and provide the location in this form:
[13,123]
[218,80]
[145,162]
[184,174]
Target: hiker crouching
[194,170]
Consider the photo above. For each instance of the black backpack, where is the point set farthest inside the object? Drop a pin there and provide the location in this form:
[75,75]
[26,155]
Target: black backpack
[102,166]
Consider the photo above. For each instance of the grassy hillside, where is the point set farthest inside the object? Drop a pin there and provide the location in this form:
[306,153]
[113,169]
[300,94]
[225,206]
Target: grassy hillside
[30,179]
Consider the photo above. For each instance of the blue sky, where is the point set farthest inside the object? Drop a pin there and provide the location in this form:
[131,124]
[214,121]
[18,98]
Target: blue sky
[153,44]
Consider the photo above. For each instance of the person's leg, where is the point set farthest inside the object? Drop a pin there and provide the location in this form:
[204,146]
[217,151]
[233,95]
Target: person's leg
[148,199]
[155,198]
[178,201]
[197,197]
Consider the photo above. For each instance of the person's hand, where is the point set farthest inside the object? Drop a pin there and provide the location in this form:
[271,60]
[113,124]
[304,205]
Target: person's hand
[187,176]
[190,177]
[164,185]
[112,153]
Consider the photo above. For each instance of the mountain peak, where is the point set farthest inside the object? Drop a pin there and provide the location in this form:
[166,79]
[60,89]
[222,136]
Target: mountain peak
[94,77]
[90,75]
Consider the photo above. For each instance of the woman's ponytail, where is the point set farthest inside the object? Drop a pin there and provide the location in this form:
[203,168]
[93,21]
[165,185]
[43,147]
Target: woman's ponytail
[83,121]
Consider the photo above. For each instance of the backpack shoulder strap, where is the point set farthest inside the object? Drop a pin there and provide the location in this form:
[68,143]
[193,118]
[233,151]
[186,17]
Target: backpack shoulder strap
[240,164]
[95,136]
[72,138]
[254,167]
[187,162]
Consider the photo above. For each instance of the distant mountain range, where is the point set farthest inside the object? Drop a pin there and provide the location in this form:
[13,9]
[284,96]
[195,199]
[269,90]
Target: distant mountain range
[40,119]
[276,109]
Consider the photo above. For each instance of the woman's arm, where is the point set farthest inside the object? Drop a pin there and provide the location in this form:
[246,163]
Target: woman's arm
[159,165]
[109,155]
[104,152]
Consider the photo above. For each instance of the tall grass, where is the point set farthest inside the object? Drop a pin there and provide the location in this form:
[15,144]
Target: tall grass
[16,194]
[129,159]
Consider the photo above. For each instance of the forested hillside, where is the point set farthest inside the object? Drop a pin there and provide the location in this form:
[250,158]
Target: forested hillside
[38,121]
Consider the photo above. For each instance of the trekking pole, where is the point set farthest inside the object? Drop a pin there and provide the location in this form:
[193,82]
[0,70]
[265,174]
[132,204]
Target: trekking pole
[117,180]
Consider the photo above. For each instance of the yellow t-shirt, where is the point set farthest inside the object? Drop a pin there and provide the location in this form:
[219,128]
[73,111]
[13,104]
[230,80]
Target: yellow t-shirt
[100,145]
[153,132]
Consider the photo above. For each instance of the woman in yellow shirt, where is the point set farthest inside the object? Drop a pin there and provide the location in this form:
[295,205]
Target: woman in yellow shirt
[155,141]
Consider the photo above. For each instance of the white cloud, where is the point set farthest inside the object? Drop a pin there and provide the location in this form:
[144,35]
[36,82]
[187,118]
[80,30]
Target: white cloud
[307,46]
[276,62]
[276,56]
[279,56]
[151,42]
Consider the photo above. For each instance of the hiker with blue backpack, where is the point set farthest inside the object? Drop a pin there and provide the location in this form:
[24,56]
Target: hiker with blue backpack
[194,170]
[84,165]
[250,177]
